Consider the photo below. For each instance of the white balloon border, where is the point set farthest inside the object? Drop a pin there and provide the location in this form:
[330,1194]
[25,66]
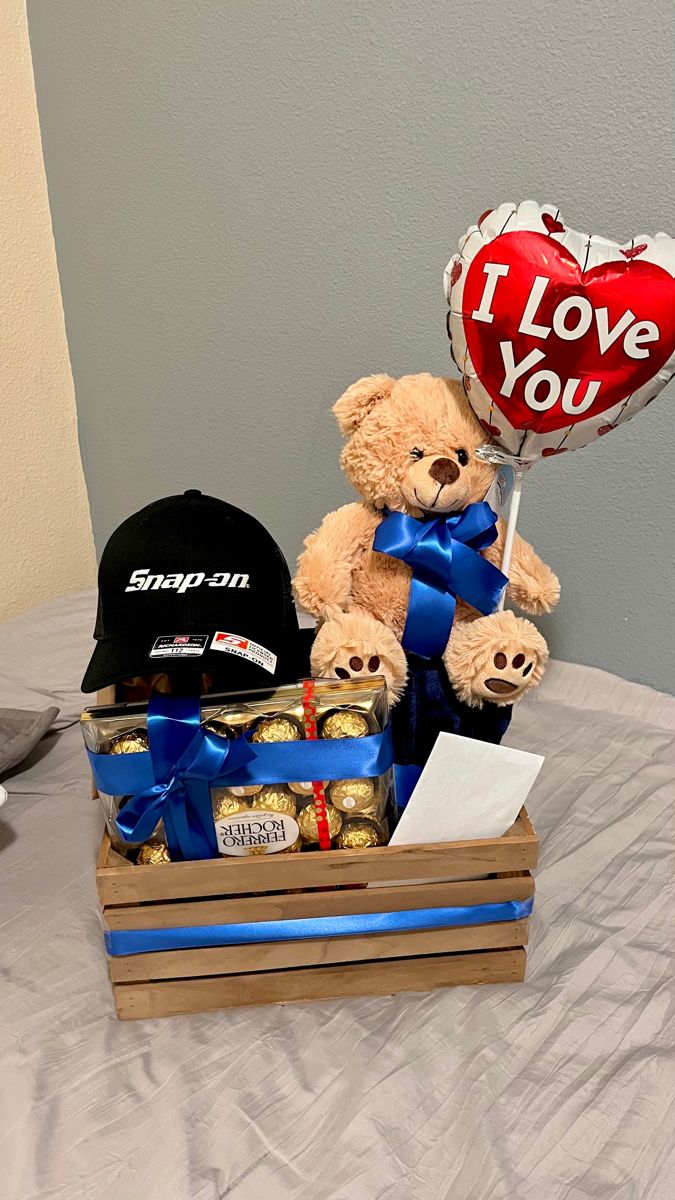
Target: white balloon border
[590,250]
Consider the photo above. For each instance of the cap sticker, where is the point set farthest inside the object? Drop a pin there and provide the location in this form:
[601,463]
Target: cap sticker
[179,645]
[243,647]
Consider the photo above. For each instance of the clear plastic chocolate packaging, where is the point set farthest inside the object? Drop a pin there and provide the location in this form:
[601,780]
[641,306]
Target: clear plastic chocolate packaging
[260,809]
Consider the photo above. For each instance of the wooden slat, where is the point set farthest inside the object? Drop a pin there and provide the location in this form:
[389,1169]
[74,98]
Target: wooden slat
[276,872]
[103,853]
[108,857]
[519,886]
[226,960]
[524,824]
[173,997]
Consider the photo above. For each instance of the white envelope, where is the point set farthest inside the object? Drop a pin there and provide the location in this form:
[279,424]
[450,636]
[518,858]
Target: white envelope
[467,790]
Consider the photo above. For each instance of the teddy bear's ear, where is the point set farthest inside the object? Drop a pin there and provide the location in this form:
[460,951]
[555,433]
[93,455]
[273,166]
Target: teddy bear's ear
[353,407]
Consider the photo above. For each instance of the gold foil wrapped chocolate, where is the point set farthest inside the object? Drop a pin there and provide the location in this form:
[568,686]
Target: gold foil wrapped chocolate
[353,795]
[239,719]
[359,834]
[247,789]
[302,789]
[132,742]
[275,798]
[276,729]
[152,853]
[231,723]
[308,823]
[226,805]
[345,723]
[217,727]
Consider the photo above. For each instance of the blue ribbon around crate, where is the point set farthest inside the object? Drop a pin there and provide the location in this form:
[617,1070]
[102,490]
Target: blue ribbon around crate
[171,781]
[143,941]
[444,556]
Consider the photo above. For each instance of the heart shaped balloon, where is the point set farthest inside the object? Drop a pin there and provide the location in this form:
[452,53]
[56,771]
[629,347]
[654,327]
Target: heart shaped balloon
[561,336]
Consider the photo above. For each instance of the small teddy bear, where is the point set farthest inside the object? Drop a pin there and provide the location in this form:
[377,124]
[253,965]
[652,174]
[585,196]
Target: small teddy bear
[410,453]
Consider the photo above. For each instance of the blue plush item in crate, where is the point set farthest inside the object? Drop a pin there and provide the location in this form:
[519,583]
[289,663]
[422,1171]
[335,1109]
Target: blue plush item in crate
[165,767]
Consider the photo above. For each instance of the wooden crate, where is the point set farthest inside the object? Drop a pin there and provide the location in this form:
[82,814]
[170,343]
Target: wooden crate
[241,890]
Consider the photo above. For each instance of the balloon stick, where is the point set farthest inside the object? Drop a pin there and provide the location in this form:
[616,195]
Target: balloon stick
[511,529]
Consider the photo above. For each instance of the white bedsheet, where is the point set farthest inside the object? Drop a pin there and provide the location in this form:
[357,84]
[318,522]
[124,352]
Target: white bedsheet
[557,1089]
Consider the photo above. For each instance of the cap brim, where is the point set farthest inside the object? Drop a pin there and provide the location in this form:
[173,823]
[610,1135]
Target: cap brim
[115,659]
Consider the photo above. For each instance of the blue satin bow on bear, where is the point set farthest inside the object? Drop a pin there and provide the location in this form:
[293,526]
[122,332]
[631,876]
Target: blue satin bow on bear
[443,554]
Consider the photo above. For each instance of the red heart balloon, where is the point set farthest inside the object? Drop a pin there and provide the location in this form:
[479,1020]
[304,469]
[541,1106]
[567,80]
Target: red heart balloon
[552,224]
[571,378]
[493,430]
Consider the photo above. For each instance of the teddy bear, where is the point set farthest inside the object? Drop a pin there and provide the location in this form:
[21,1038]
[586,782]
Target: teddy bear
[410,453]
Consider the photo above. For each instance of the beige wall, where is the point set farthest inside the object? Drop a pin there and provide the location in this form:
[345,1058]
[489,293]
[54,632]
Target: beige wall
[46,546]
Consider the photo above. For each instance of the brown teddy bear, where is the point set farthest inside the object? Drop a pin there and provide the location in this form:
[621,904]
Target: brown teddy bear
[410,450]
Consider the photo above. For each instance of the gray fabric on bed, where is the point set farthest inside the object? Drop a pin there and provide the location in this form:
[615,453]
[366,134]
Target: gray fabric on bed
[562,1088]
[20,731]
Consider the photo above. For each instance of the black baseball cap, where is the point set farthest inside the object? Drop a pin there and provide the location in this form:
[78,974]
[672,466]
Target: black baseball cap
[192,583]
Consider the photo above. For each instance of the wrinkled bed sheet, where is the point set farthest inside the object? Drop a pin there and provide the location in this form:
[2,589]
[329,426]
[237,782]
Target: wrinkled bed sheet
[557,1089]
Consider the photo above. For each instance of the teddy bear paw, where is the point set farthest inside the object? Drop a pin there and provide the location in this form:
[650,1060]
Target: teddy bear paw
[355,645]
[540,595]
[495,659]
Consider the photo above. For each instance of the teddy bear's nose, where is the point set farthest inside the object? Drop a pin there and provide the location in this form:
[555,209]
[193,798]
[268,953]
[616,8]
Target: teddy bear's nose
[444,470]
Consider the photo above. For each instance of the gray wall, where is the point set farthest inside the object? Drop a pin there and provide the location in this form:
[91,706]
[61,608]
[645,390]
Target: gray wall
[253,205]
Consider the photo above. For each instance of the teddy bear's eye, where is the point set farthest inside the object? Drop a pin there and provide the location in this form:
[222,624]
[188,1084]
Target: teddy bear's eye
[462,458]
[416,452]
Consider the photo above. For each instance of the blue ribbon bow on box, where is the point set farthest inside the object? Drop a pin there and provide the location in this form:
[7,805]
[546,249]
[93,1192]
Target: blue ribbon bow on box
[443,554]
[172,781]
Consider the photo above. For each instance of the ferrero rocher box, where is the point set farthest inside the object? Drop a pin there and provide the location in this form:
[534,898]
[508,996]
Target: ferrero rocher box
[259,925]
[262,810]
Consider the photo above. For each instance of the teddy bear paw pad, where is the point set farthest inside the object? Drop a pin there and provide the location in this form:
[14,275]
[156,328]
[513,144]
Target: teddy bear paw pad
[512,676]
[357,667]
